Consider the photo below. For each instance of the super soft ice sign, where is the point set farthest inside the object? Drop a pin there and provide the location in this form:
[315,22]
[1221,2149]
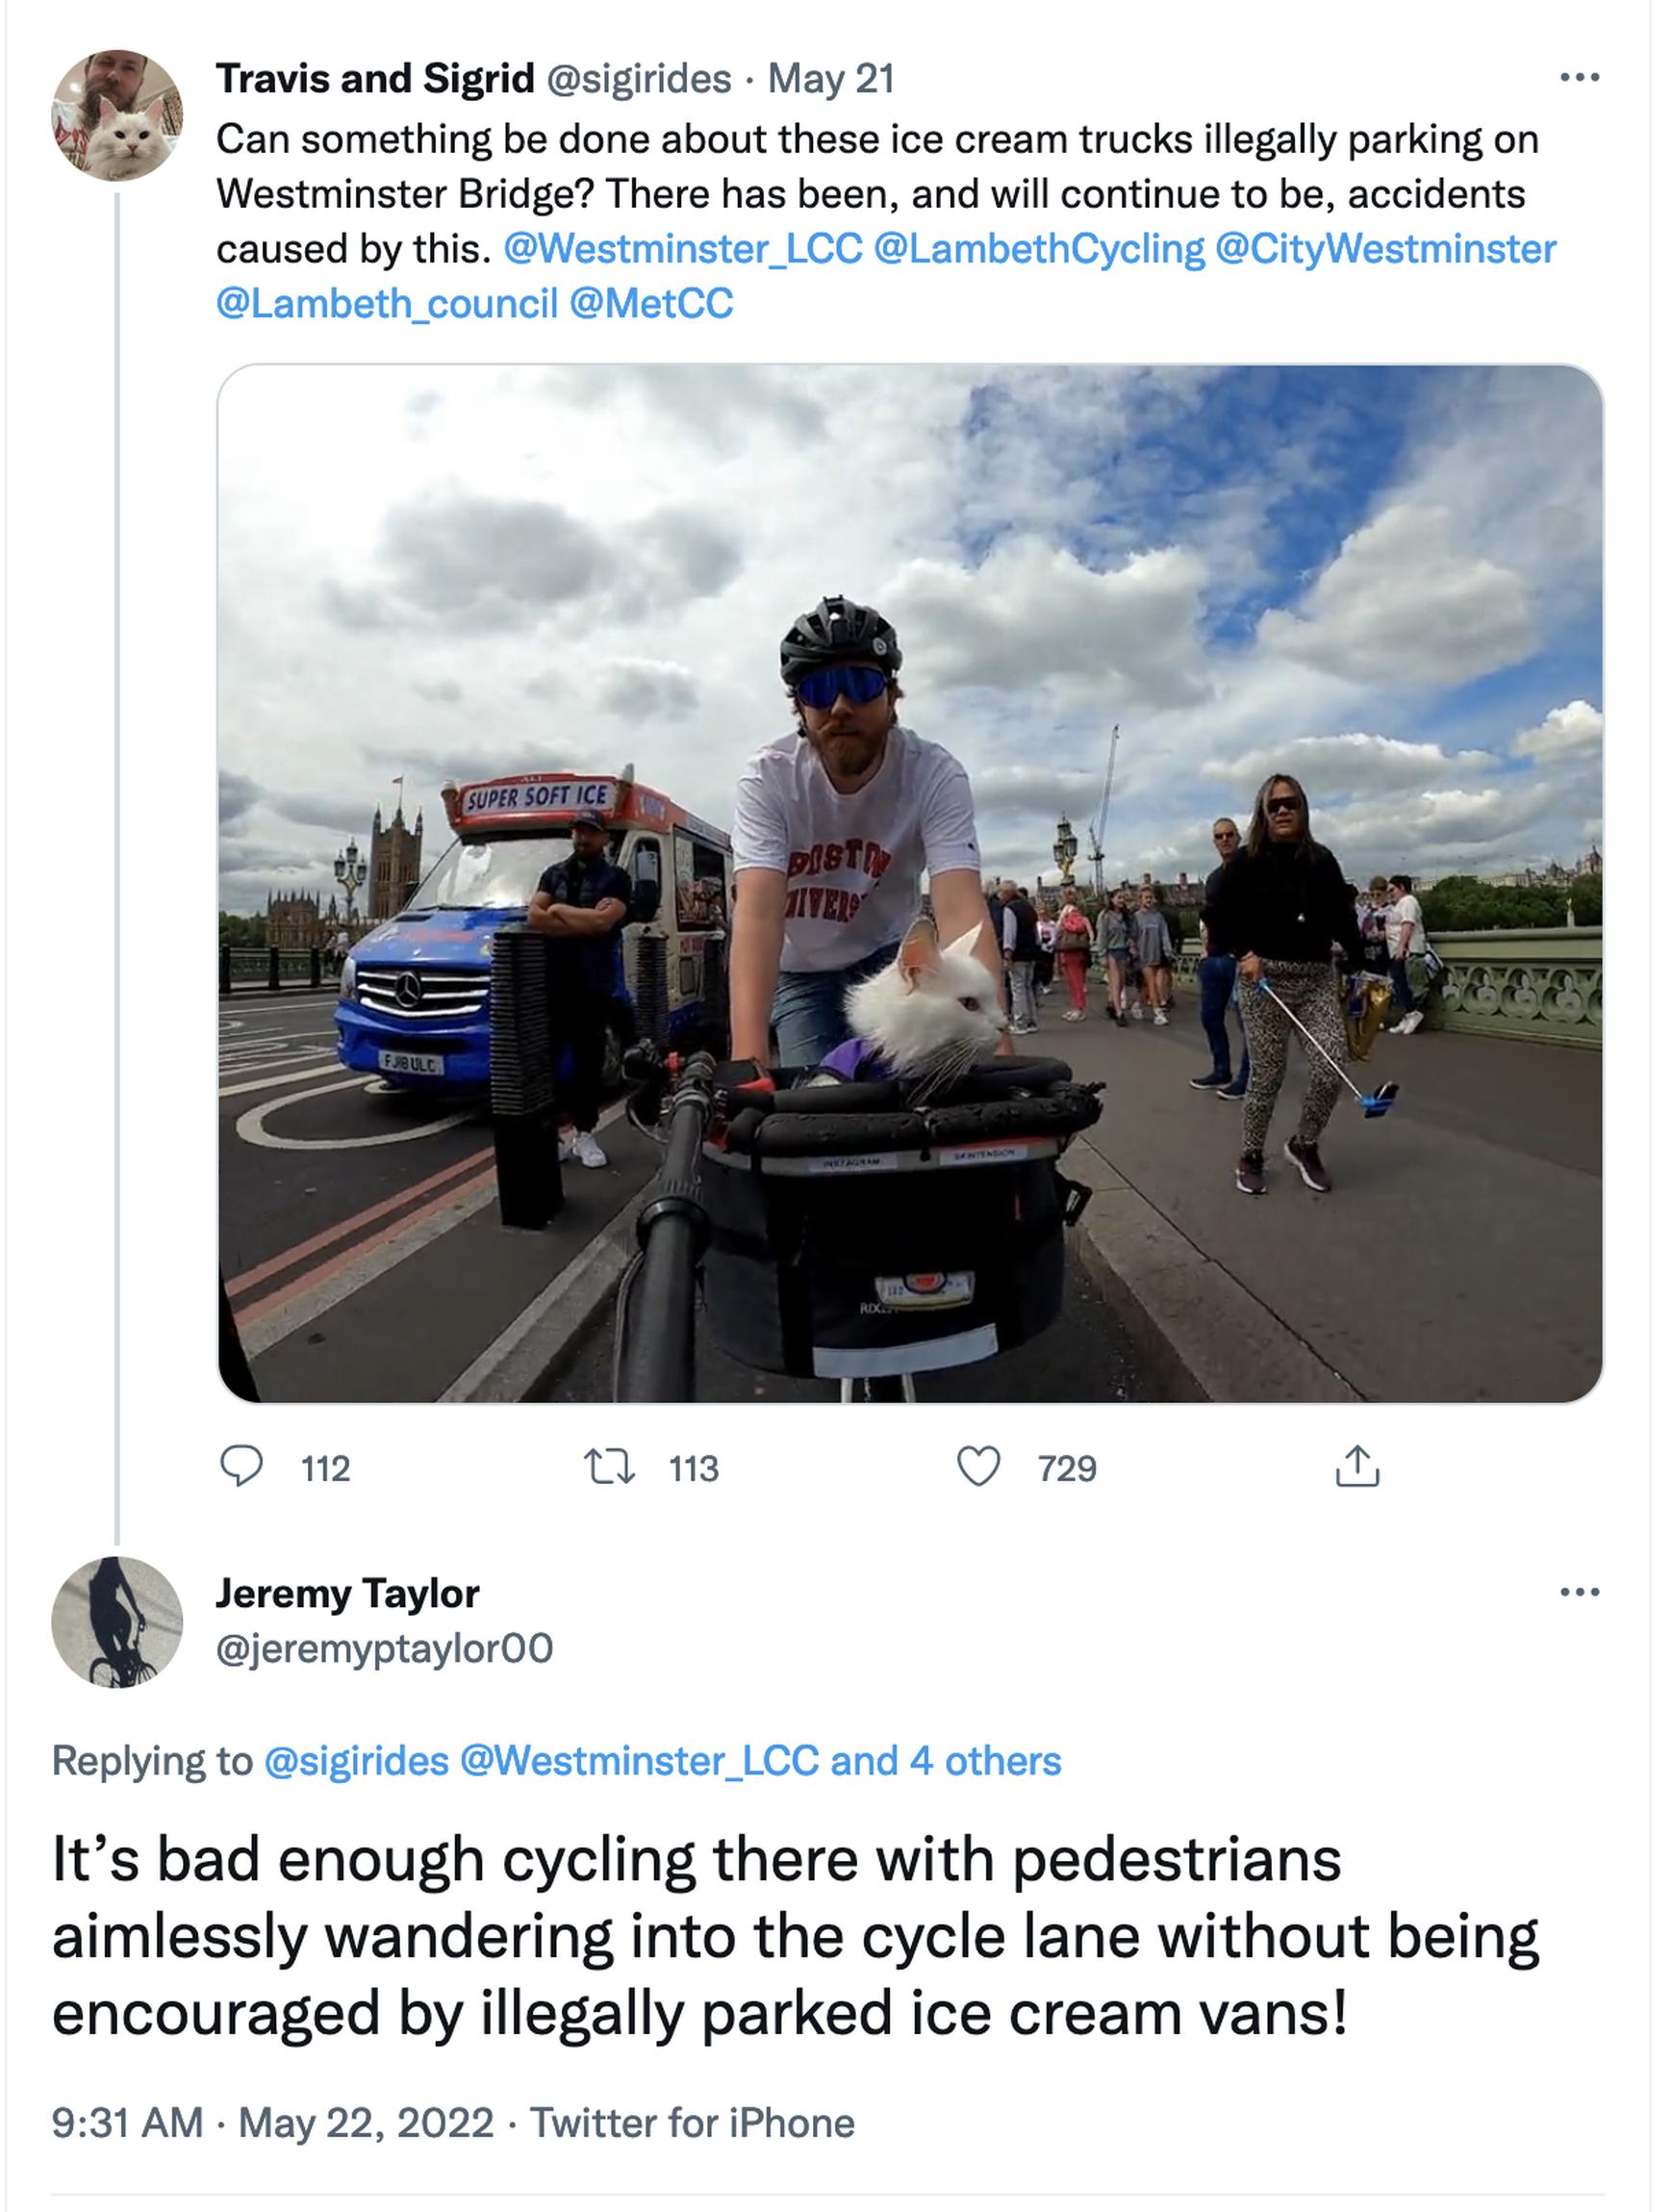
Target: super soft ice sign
[543,795]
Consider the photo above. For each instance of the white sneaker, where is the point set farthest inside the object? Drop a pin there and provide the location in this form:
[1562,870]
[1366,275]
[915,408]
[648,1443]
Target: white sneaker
[589,1151]
[1160,1018]
[1412,1023]
[566,1143]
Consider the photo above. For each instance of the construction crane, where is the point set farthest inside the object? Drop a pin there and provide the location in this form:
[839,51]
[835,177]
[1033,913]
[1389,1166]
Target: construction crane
[1098,827]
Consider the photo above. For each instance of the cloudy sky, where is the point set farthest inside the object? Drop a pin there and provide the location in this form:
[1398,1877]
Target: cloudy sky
[1388,582]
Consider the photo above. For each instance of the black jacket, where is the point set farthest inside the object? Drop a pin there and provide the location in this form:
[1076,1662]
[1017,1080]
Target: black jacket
[1284,905]
[1026,928]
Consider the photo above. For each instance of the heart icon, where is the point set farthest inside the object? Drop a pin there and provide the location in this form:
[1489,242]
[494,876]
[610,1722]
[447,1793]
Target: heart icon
[978,1463]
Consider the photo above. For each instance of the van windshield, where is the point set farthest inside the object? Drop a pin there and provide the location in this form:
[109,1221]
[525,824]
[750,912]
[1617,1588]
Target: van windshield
[503,873]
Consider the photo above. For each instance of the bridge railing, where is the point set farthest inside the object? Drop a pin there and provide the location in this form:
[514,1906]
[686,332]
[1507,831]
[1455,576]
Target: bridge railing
[1541,984]
[267,968]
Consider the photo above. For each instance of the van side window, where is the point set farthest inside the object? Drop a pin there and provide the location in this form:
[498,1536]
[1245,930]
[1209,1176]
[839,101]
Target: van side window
[644,865]
[702,878]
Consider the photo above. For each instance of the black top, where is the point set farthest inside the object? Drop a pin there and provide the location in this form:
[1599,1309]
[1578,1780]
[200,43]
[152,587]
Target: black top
[1026,928]
[587,963]
[1282,904]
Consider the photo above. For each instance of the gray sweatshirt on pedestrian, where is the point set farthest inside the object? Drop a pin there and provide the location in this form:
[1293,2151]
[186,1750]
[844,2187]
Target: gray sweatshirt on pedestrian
[1150,939]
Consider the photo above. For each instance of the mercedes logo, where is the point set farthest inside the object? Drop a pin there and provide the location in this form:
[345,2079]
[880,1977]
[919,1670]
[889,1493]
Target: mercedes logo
[409,990]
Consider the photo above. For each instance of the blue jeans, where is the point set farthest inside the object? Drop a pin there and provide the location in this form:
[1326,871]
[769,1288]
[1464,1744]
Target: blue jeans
[808,1010]
[1399,976]
[1217,977]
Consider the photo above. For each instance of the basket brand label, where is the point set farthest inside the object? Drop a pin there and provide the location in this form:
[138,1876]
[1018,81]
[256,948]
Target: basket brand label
[915,1294]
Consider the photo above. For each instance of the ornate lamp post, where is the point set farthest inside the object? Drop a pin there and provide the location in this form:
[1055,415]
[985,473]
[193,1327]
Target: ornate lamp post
[350,874]
[1064,851]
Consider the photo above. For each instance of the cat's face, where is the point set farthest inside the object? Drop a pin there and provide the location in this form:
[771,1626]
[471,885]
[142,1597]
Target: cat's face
[123,145]
[935,1011]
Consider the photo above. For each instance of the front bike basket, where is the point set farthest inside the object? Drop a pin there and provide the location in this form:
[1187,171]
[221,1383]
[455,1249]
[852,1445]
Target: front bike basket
[854,1233]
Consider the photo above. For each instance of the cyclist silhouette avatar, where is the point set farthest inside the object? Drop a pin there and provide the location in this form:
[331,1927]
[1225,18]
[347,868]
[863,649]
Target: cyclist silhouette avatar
[122,1668]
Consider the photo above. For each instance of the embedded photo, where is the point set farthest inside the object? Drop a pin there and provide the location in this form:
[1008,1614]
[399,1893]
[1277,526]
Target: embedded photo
[852,884]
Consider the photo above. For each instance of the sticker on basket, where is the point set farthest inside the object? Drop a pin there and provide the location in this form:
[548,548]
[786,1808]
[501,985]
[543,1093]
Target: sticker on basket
[855,1163]
[913,1293]
[991,1154]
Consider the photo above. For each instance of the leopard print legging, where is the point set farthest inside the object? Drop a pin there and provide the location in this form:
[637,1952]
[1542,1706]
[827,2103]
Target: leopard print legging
[1311,992]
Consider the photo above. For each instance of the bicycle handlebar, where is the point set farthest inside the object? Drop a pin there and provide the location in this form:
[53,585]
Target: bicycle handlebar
[656,1358]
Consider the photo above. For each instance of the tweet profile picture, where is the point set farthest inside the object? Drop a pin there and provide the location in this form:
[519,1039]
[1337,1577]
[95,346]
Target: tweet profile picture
[116,115]
[117,1622]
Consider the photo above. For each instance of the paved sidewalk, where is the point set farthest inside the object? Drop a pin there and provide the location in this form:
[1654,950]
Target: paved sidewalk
[1459,1257]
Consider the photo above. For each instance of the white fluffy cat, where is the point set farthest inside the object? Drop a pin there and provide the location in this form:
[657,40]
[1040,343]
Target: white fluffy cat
[932,1014]
[123,145]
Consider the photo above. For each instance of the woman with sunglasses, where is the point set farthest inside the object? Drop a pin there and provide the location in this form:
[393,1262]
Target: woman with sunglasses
[1281,906]
[836,824]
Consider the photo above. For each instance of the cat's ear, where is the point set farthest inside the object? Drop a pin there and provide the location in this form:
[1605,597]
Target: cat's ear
[107,109]
[967,942]
[154,113]
[919,954]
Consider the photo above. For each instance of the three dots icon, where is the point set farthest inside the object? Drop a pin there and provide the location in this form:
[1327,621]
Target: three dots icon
[1577,1589]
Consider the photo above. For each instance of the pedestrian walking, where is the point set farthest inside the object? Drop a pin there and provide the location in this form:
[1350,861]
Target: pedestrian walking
[1373,924]
[1218,980]
[1114,950]
[1020,943]
[1282,908]
[1074,951]
[1407,941]
[1152,948]
[1045,964]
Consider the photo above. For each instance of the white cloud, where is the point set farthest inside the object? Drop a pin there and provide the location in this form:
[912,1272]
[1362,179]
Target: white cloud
[1352,760]
[1403,602]
[1032,611]
[1566,733]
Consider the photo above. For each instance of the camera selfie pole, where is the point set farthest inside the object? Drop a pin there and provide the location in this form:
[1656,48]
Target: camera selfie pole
[1374,1103]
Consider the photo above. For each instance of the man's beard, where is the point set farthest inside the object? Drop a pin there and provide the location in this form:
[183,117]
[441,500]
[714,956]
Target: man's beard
[850,752]
[91,102]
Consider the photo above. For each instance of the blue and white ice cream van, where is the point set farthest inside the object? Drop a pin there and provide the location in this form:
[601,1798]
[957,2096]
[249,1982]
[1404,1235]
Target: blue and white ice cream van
[414,1000]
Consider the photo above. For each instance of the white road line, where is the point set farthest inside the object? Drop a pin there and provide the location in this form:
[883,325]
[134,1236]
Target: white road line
[294,1075]
[299,1063]
[252,1124]
[257,1040]
[308,1305]
[527,1348]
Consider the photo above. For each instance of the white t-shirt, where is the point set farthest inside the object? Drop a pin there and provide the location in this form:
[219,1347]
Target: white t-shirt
[1407,910]
[854,861]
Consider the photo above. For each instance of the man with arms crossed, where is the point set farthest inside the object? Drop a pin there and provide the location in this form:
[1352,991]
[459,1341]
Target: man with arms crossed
[581,907]
[835,824]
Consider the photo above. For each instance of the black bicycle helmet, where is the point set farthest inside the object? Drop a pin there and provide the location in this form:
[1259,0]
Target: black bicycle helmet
[837,633]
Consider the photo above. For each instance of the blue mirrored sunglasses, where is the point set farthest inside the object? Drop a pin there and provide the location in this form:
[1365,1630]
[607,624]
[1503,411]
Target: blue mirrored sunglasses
[821,688]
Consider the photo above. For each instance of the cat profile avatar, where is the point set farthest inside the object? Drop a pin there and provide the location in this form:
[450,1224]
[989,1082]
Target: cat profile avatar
[122,145]
[924,1020]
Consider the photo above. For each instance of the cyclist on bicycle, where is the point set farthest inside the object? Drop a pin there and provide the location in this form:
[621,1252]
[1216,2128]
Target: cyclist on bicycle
[107,1615]
[836,824]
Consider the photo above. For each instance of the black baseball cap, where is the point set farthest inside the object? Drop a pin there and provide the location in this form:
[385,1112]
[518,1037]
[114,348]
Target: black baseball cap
[587,820]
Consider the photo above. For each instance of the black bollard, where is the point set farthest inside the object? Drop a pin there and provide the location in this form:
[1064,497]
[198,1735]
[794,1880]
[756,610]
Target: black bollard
[272,968]
[522,1093]
[226,971]
[314,967]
